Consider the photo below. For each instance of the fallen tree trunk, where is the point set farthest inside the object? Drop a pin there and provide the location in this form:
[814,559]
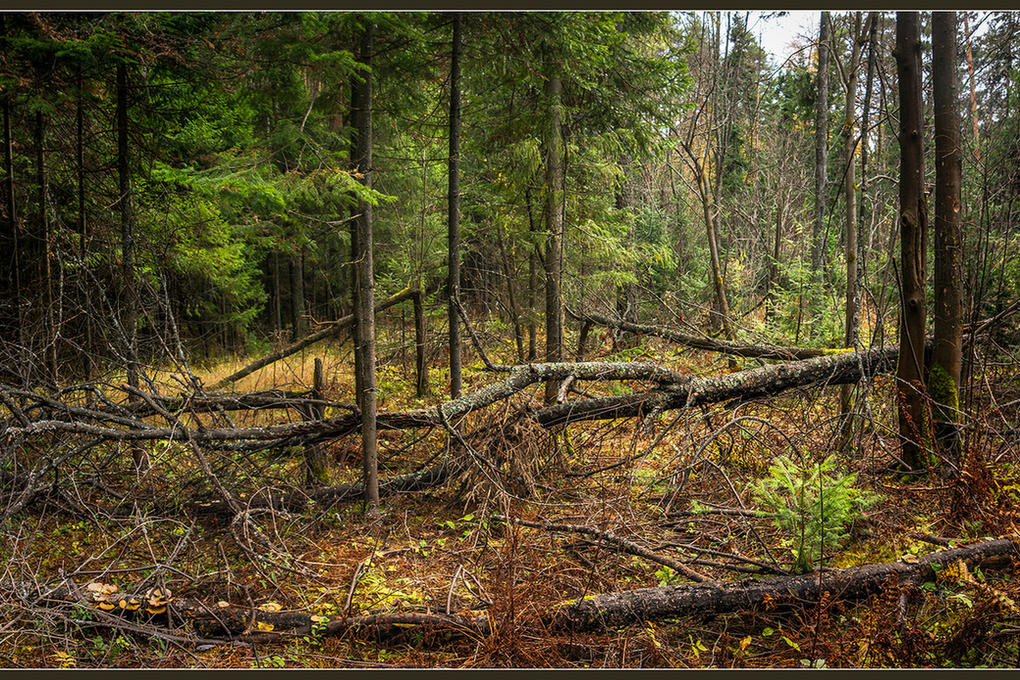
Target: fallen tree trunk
[740,349]
[835,369]
[612,610]
[308,340]
[310,432]
[225,621]
[675,391]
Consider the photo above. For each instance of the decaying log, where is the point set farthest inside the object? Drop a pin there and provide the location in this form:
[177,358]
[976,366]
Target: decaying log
[610,610]
[226,621]
[740,349]
[309,340]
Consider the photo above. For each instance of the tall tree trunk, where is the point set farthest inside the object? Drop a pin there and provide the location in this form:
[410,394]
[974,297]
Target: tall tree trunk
[12,260]
[421,369]
[626,294]
[316,467]
[553,143]
[973,91]
[510,273]
[297,295]
[533,265]
[944,380]
[850,194]
[42,179]
[127,227]
[364,289]
[913,225]
[863,244]
[453,213]
[274,263]
[821,147]
[82,222]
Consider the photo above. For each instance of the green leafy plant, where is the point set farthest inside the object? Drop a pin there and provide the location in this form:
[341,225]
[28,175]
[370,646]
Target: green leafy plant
[813,504]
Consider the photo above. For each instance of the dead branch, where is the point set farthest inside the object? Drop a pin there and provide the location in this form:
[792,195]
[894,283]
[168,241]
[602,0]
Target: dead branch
[328,332]
[740,349]
[621,543]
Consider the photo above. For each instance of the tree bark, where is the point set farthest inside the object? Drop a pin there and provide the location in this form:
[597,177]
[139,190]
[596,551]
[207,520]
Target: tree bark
[42,179]
[821,146]
[453,213]
[913,226]
[14,256]
[850,194]
[297,295]
[421,369]
[315,455]
[127,227]
[364,326]
[944,381]
[553,143]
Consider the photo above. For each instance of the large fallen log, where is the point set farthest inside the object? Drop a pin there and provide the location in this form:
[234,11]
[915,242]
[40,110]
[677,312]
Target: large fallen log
[297,346]
[740,349]
[310,432]
[612,610]
[835,369]
[675,391]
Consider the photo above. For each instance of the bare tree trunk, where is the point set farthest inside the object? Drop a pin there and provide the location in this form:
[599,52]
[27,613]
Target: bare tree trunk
[913,225]
[453,213]
[364,329]
[127,227]
[510,273]
[297,295]
[42,180]
[14,274]
[973,92]
[532,284]
[421,369]
[863,245]
[553,143]
[944,379]
[274,264]
[850,194]
[82,222]
[626,294]
[821,147]
[315,454]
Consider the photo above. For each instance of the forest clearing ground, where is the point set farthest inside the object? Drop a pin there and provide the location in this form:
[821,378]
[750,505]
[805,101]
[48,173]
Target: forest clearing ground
[687,498]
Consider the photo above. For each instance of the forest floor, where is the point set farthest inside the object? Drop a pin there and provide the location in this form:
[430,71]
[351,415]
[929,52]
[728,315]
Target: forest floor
[683,488]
